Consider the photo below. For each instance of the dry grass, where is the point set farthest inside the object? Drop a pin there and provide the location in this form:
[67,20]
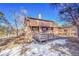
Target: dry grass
[14,41]
[8,45]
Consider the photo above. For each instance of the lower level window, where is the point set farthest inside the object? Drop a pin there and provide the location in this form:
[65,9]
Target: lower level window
[35,28]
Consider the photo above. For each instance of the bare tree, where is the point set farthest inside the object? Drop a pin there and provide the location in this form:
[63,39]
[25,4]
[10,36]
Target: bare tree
[16,24]
[19,18]
[70,13]
[4,21]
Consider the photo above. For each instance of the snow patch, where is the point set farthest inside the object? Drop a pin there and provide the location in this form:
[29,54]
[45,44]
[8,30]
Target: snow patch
[60,41]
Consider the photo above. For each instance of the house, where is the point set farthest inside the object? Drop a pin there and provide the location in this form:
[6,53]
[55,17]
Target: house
[39,25]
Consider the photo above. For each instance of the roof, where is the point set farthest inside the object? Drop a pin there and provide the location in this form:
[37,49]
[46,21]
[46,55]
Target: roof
[41,19]
[49,21]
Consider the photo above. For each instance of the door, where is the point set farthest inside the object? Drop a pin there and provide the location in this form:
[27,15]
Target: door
[44,29]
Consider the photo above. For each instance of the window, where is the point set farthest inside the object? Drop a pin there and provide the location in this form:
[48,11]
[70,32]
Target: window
[35,28]
[44,28]
[65,30]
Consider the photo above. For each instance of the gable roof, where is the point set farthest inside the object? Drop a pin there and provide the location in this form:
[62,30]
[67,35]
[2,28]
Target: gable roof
[41,19]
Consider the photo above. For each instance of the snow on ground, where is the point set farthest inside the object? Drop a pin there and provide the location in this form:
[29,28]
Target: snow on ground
[50,48]
[44,49]
[59,41]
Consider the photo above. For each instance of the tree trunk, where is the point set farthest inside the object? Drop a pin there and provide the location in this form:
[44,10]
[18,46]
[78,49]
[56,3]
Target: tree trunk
[78,31]
[16,27]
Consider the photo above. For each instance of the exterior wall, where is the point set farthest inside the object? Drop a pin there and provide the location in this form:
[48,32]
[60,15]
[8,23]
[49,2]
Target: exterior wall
[55,31]
[34,23]
[67,32]
[45,23]
[41,23]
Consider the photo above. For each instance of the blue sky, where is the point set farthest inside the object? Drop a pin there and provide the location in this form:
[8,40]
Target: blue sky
[47,12]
